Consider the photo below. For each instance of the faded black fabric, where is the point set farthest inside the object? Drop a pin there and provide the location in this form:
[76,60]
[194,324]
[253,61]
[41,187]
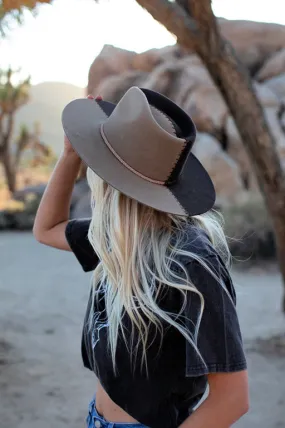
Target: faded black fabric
[219,339]
[177,377]
[77,236]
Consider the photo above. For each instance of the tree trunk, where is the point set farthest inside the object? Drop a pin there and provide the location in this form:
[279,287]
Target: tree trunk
[9,170]
[258,143]
[5,155]
[201,33]
[233,80]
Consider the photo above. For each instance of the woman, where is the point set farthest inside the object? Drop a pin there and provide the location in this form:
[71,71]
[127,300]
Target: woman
[161,322]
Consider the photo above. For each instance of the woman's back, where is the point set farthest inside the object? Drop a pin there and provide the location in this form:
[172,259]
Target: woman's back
[173,377]
[161,321]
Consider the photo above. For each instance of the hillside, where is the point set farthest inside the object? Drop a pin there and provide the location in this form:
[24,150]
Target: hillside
[45,106]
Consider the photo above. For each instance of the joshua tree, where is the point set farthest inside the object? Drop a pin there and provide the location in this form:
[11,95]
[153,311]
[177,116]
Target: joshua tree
[12,97]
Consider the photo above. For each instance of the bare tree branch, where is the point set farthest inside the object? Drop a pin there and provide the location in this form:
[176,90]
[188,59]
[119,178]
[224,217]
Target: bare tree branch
[174,18]
[184,5]
[200,32]
[8,132]
[22,143]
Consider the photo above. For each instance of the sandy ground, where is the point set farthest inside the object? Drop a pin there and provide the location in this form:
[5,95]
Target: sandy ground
[43,294]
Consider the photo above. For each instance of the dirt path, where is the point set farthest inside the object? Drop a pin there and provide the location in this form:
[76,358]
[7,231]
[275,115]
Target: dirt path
[43,294]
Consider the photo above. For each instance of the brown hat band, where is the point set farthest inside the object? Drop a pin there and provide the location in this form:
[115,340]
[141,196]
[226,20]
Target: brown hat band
[123,162]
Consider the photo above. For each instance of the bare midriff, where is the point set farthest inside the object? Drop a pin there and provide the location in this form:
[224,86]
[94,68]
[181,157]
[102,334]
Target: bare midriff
[110,410]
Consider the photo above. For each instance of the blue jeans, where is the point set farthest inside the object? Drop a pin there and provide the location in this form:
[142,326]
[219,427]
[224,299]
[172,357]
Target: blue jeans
[94,420]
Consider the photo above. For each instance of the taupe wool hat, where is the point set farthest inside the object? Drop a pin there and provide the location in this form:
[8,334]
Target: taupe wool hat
[142,147]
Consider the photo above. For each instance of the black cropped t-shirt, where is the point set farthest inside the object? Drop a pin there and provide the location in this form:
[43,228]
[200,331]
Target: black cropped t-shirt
[177,378]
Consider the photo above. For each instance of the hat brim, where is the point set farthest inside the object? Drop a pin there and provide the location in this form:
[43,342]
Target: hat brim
[192,194]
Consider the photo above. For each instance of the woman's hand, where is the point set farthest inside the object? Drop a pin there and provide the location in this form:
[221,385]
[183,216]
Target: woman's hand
[53,213]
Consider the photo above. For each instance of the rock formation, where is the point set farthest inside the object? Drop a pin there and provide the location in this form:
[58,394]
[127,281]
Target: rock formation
[181,76]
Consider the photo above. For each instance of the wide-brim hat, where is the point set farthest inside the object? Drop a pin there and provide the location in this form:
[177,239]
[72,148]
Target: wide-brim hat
[142,147]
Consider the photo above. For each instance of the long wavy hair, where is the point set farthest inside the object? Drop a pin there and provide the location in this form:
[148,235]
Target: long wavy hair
[139,249]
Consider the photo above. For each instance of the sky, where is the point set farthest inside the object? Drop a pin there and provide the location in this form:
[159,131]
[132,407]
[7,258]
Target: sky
[60,43]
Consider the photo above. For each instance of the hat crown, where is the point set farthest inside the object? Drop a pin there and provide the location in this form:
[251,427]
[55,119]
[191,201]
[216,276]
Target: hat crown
[143,137]
[135,148]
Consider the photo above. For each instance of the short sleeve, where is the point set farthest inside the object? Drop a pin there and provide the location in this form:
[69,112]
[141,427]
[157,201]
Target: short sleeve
[219,338]
[76,233]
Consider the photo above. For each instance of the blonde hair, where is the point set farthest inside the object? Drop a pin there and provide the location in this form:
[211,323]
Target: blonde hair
[137,255]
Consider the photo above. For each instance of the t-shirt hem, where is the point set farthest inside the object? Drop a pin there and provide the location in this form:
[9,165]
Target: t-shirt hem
[200,370]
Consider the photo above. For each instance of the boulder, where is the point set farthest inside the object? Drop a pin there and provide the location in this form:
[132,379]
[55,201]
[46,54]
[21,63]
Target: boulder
[113,87]
[274,66]
[16,219]
[110,61]
[113,61]
[164,78]
[34,193]
[207,108]
[266,96]
[273,121]
[195,71]
[253,41]
[23,220]
[237,152]
[178,78]
[222,169]
[192,74]
[147,61]
[30,197]
[173,52]
[22,194]
[81,188]
[180,75]
[282,120]
[5,220]
[189,84]
[82,209]
[277,85]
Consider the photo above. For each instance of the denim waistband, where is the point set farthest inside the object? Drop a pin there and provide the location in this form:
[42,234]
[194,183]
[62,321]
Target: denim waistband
[94,420]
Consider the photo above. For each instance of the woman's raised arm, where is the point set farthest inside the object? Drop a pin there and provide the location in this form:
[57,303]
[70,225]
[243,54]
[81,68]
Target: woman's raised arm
[53,212]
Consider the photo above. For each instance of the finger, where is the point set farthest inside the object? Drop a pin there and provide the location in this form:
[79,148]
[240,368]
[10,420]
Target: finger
[90,97]
[99,98]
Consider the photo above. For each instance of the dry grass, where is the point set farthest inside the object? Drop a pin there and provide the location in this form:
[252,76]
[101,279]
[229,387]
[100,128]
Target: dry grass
[26,177]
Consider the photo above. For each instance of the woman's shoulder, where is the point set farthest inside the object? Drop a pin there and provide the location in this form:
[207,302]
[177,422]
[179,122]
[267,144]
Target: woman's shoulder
[196,240]
[197,247]
[200,257]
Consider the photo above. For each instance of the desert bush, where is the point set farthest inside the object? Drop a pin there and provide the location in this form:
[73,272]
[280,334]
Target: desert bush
[20,215]
[249,230]
[20,212]
[247,224]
